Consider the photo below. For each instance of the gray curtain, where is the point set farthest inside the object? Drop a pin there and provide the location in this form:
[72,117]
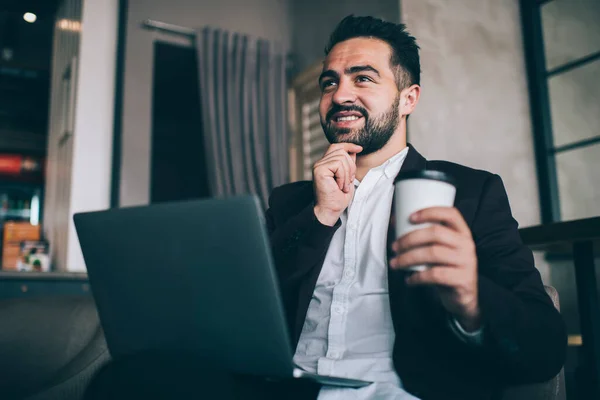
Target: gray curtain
[244,108]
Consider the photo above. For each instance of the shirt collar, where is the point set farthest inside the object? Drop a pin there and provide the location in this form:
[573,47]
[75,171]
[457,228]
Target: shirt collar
[391,167]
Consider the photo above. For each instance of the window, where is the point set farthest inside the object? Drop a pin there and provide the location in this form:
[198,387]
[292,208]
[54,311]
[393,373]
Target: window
[562,49]
[309,142]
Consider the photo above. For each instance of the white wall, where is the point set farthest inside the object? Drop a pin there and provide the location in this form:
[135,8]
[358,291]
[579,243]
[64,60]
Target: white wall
[79,166]
[269,19]
[474,108]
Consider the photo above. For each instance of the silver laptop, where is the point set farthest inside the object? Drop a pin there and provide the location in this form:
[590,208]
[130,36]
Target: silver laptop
[194,276]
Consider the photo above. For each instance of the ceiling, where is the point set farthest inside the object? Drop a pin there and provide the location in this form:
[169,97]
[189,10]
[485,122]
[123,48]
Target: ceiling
[29,45]
[39,7]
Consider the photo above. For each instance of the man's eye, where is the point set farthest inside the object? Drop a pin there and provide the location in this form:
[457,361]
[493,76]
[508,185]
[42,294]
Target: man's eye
[327,84]
[363,78]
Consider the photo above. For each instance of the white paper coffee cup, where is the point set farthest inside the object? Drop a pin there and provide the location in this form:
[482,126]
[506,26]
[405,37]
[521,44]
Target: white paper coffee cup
[418,190]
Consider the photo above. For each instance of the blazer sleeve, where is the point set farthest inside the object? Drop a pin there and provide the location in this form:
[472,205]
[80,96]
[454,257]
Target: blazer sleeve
[524,335]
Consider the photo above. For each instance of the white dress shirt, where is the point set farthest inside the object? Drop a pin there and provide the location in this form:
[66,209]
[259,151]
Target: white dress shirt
[348,330]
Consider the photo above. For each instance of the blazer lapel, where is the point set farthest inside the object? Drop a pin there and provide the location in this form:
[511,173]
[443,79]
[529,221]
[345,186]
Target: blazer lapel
[396,285]
[414,160]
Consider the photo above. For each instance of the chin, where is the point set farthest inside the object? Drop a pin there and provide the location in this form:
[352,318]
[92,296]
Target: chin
[346,136]
[347,139]
[343,135]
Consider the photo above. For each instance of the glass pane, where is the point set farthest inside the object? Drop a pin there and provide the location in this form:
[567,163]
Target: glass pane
[571,30]
[575,104]
[579,182]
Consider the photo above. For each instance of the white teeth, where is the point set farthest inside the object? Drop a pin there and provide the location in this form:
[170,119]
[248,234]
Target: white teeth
[350,118]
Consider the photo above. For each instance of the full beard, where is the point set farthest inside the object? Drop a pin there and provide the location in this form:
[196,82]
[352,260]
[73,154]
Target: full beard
[372,136]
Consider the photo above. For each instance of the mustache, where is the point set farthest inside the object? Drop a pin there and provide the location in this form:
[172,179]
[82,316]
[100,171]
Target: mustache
[339,108]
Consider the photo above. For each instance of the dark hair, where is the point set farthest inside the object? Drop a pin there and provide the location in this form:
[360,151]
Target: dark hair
[405,51]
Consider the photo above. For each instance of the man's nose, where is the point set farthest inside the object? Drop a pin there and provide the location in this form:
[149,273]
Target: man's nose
[344,93]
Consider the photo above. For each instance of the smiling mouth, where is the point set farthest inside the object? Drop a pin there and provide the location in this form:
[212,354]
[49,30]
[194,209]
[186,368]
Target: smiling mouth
[348,118]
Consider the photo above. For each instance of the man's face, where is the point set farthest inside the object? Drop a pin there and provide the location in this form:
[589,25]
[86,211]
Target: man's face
[359,94]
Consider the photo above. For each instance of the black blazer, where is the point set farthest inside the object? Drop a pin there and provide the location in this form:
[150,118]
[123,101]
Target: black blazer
[524,335]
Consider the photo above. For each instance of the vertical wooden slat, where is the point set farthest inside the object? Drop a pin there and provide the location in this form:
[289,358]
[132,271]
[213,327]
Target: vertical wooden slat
[306,138]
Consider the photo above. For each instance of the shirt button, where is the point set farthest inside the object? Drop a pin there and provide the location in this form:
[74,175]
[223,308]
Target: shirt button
[349,273]
[338,310]
[334,354]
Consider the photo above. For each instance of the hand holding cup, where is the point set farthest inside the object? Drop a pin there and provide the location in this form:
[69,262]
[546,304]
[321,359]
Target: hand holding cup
[435,243]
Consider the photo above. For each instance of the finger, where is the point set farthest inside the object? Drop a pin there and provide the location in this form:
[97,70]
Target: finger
[341,170]
[433,255]
[434,234]
[327,169]
[437,275]
[352,165]
[341,173]
[334,153]
[342,176]
[353,157]
[449,216]
[347,147]
[348,157]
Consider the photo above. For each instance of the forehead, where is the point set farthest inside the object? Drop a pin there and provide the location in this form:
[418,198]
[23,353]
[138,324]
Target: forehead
[359,51]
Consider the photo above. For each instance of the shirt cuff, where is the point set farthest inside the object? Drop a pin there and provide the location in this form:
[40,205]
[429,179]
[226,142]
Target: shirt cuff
[473,338]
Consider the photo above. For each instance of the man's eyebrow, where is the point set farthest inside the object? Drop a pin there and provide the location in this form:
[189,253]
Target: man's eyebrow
[361,68]
[328,74]
[349,71]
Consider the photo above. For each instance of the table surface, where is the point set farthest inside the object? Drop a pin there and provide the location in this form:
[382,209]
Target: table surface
[560,236]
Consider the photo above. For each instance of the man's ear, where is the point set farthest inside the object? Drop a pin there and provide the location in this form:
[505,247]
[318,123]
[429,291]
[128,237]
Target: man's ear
[409,97]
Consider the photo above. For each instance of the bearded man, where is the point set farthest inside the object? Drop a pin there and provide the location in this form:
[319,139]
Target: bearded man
[474,323]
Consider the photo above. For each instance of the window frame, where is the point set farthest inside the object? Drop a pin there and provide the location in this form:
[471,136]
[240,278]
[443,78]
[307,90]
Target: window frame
[539,99]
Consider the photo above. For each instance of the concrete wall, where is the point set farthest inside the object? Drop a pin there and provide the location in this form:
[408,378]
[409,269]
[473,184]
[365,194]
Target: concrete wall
[474,107]
[79,162]
[269,19]
[315,19]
